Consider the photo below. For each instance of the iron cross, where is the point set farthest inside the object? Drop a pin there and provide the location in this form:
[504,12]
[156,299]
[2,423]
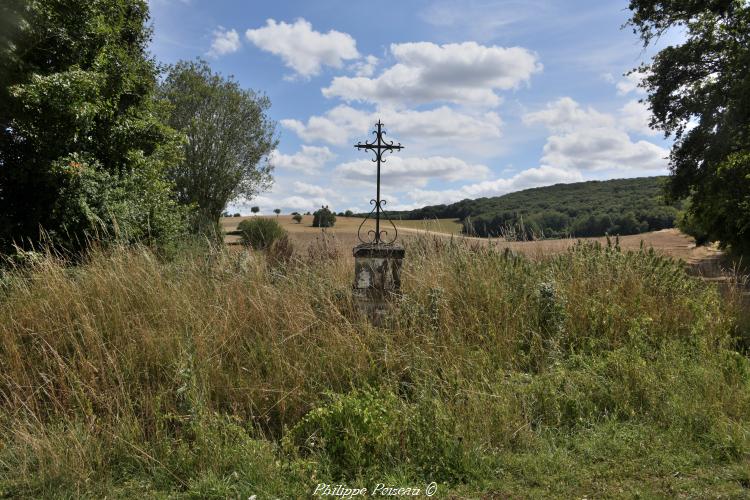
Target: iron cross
[378,146]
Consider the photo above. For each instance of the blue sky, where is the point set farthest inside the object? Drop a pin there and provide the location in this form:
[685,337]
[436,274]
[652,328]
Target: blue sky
[488,97]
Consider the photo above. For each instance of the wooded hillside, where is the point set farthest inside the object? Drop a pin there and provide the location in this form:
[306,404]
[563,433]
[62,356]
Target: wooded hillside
[593,208]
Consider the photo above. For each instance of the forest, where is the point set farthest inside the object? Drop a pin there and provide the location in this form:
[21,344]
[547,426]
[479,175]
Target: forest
[593,208]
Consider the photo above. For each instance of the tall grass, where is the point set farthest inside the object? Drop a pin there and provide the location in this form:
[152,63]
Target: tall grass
[223,373]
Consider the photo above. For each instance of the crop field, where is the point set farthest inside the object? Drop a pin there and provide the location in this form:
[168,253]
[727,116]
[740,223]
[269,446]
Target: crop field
[668,242]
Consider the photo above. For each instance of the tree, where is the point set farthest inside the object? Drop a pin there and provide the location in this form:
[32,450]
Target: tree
[255,210]
[699,93]
[323,217]
[228,139]
[277,211]
[82,150]
[297,218]
[348,213]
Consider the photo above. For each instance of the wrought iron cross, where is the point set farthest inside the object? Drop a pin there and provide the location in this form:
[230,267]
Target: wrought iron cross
[379,146]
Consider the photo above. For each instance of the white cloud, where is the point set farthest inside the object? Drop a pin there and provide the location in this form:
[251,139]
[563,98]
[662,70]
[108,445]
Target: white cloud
[589,140]
[312,190]
[411,171]
[462,73]
[308,160]
[342,124]
[224,42]
[290,196]
[630,83]
[602,149]
[565,114]
[533,177]
[365,67]
[303,49]
[635,116]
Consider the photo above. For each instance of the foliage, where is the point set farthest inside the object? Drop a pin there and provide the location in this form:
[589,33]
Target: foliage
[297,218]
[355,435]
[687,224]
[260,232]
[255,210]
[82,152]
[500,376]
[277,211]
[323,217]
[229,137]
[594,208]
[699,93]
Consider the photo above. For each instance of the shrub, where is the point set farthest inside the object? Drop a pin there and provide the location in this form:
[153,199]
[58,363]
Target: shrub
[323,217]
[362,432]
[297,218]
[260,233]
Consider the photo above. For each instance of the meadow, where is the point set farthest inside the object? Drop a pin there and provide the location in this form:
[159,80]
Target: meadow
[222,372]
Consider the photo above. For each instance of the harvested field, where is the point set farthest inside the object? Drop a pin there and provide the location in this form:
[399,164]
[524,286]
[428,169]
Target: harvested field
[669,242]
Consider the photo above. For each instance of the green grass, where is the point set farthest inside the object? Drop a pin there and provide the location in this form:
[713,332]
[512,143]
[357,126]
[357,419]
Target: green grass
[594,373]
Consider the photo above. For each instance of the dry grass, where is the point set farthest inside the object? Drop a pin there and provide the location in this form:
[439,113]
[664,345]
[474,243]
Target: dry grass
[138,376]
[668,242]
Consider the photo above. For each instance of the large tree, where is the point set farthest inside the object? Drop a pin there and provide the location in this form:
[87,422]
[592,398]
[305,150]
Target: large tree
[82,150]
[699,93]
[228,139]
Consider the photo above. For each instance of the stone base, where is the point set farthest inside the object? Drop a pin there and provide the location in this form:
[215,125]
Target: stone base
[377,279]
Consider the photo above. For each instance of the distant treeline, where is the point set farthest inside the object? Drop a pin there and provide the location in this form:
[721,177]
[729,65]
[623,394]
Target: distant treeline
[593,208]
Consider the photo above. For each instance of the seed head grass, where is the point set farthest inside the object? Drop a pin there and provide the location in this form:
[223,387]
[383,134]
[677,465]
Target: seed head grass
[218,373]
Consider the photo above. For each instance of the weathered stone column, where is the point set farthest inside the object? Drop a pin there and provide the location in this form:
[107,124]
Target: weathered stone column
[377,279]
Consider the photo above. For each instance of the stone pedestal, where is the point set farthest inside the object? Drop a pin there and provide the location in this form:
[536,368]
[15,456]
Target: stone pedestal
[377,279]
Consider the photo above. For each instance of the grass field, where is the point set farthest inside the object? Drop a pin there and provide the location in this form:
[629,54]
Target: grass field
[589,372]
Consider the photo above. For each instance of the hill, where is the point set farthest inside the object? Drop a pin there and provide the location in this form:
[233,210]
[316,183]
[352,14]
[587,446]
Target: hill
[592,208]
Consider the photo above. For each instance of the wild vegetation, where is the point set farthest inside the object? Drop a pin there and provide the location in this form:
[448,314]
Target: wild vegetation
[593,208]
[93,148]
[260,232]
[699,94]
[221,374]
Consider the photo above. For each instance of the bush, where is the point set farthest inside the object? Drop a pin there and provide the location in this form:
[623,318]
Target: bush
[324,218]
[260,233]
[363,432]
[297,218]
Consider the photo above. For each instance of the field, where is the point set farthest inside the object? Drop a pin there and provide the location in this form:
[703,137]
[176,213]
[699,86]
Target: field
[668,242]
[587,372]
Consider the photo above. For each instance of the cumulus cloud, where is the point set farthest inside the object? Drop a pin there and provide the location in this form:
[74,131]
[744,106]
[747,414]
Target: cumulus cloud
[589,140]
[533,177]
[635,117]
[341,124]
[312,190]
[565,114]
[630,83]
[462,73]
[365,67]
[603,149]
[295,196]
[303,49]
[415,171]
[308,160]
[224,42]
